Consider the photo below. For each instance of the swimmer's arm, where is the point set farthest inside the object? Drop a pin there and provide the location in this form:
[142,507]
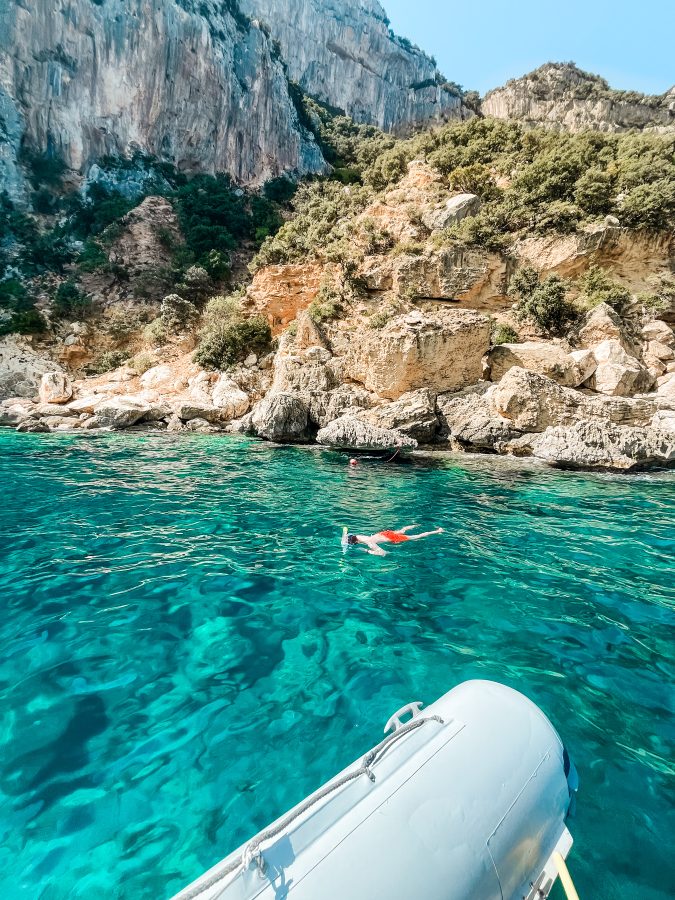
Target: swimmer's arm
[374,548]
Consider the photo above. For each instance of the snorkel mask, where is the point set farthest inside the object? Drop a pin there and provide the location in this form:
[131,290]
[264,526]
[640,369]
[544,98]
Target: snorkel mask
[347,539]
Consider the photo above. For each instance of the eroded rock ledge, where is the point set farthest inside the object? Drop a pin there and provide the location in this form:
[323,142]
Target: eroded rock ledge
[427,378]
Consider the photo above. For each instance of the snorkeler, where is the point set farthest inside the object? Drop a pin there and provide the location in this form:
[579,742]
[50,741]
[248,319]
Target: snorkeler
[372,542]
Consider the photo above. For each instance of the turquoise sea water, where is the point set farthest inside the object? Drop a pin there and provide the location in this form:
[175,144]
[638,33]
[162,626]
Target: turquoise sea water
[186,652]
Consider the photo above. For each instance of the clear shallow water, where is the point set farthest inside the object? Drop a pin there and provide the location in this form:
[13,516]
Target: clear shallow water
[186,652]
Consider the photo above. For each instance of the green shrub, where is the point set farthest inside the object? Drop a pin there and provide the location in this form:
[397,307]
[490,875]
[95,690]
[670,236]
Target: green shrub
[597,286]
[593,191]
[544,303]
[504,334]
[155,333]
[223,346]
[379,319]
[176,313]
[650,205]
[93,257]
[196,284]
[106,362]
[18,314]
[123,321]
[70,302]
[142,362]
[45,168]
[474,179]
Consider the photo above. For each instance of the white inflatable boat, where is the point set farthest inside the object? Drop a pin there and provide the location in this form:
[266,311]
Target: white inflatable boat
[466,800]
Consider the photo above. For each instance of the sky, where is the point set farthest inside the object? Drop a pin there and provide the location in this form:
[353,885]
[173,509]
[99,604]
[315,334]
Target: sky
[482,43]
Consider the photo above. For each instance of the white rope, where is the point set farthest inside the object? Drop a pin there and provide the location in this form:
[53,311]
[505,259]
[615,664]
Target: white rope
[252,852]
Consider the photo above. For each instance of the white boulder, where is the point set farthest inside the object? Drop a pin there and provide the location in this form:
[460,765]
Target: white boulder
[350,433]
[55,387]
[617,373]
[121,412]
[229,398]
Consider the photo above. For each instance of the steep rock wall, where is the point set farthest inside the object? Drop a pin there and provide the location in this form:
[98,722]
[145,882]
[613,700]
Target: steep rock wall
[345,54]
[195,84]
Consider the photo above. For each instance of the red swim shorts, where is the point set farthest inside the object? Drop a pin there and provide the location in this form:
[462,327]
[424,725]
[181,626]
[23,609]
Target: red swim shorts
[394,537]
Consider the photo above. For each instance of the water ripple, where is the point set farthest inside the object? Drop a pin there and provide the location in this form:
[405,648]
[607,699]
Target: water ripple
[187,652]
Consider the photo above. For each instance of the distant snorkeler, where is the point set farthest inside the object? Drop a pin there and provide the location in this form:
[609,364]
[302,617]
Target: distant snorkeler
[371,542]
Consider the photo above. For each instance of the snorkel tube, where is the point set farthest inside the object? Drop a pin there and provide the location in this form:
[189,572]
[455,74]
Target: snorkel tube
[345,542]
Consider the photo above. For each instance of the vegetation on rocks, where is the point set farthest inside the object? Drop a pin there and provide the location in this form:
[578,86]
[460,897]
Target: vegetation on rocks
[227,337]
[529,180]
[544,303]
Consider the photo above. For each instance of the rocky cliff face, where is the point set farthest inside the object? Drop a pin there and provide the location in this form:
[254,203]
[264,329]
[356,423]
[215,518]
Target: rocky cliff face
[201,85]
[561,96]
[195,84]
[345,54]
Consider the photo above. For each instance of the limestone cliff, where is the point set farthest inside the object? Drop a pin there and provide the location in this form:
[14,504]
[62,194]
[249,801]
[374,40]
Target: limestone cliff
[195,84]
[562,96]
[345,54]
[199,84]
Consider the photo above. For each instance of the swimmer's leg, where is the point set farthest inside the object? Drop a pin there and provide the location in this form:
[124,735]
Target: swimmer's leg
[423,534]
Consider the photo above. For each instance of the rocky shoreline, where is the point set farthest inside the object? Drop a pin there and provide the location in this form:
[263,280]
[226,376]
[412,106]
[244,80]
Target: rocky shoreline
[427,379]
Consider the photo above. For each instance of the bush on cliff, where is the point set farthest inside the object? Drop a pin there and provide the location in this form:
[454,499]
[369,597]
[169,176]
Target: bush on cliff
[544,303]
[597,286]
[226,337]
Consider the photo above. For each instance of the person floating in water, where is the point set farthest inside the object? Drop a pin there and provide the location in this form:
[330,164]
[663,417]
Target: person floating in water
[372,542]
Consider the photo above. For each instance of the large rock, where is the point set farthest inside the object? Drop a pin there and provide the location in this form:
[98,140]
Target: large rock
[533,403]
[21,368]
[308,333]
[602,445]
[468,274]
[305,370]
[470,418]
[282,417]
[121,412]
[452,211]
[55,387]
[617,373]
[602,324]
[350,433]
[33,426]
[442,352]
[186,408]
[659,331]
[538,356]
[229,398]
[325,406]
[413,414]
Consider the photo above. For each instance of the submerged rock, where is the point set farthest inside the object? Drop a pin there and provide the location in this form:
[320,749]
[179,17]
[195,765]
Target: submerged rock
[350,433]
[32,426]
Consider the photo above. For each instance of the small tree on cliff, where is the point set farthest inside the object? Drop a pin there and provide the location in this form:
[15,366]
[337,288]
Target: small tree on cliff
[544,303]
